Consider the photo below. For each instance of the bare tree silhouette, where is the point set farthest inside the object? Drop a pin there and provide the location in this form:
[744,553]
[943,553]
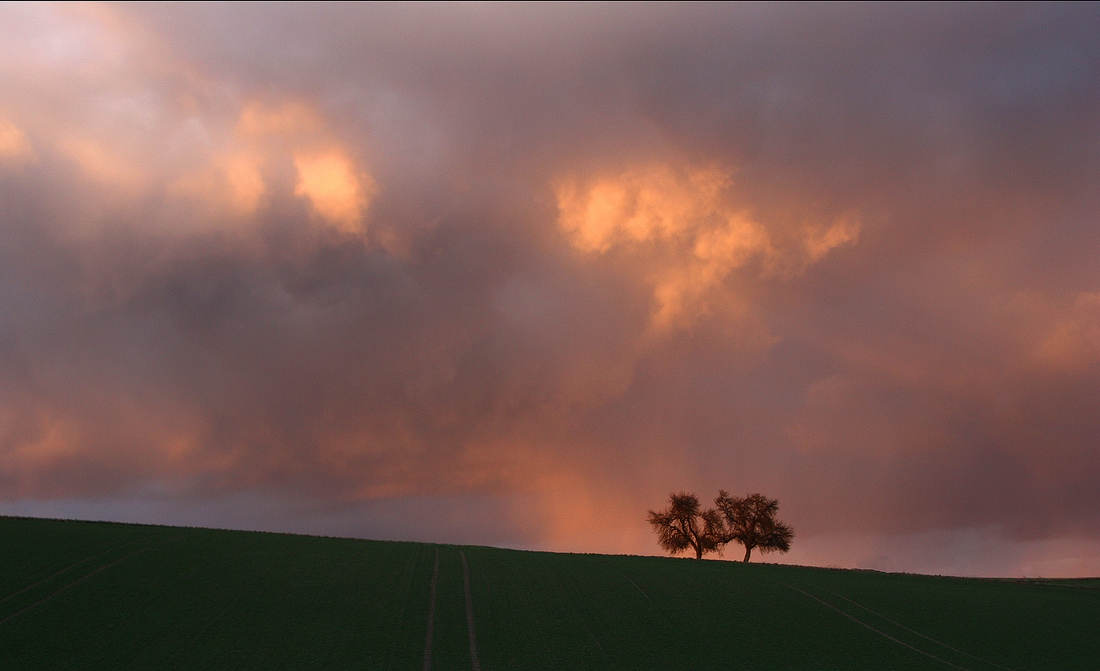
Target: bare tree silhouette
[751,522]
[685,526]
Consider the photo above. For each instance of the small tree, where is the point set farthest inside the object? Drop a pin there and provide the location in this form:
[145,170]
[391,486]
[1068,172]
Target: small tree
[751,522]
[684,526]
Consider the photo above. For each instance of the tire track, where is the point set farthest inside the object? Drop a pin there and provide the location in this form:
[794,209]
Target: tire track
[431,615]
[83,578]
[71,566]
[638,588]
[912,631]
[880,633]
[469,613]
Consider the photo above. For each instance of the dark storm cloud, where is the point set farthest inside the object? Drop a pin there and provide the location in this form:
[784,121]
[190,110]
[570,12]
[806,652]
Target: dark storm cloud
[580,256]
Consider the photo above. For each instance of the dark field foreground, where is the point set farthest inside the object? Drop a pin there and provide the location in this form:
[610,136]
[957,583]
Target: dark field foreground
[81,595]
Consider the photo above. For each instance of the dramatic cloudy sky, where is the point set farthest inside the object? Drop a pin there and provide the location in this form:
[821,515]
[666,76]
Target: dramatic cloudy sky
[510,275]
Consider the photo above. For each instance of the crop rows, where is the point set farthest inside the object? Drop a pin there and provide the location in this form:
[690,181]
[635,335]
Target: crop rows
[76,595]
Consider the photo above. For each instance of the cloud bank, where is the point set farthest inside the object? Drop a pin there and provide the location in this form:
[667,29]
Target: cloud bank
[511,274]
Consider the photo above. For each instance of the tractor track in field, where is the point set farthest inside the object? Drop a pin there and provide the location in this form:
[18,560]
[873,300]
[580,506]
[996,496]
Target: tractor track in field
[877,631]
[474,663]
[85,577]
[637,588]
[431,615]
[70,566]
[912,631]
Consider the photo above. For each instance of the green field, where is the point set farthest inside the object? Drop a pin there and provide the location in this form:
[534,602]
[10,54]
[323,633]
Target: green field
[84,595]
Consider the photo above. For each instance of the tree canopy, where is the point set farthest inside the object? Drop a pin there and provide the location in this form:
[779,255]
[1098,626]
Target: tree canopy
[684,525]
[749,520]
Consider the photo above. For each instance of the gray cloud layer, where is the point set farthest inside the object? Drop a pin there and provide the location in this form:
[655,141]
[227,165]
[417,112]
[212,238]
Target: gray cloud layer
[584,255]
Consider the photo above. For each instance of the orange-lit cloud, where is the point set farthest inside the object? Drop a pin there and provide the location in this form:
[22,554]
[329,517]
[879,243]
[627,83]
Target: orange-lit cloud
[692,231]
[1072,342]
[233,175]
[139,120]
[234,179]
[330,183]
[648,204]
[15,147]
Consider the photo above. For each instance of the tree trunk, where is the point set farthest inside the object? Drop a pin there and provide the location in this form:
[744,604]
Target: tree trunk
[748,551]
[699,551]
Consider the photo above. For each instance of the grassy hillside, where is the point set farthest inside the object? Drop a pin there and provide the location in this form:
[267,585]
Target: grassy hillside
[79,595]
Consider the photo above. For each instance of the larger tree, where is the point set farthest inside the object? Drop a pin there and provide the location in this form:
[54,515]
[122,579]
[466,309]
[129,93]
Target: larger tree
[751,521]
[685,525]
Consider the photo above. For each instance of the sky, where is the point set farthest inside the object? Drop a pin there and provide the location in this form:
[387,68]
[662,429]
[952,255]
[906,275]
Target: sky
[511,274]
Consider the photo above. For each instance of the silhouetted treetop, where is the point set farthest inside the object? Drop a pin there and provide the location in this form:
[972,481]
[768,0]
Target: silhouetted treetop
[683,525]
[751,521]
